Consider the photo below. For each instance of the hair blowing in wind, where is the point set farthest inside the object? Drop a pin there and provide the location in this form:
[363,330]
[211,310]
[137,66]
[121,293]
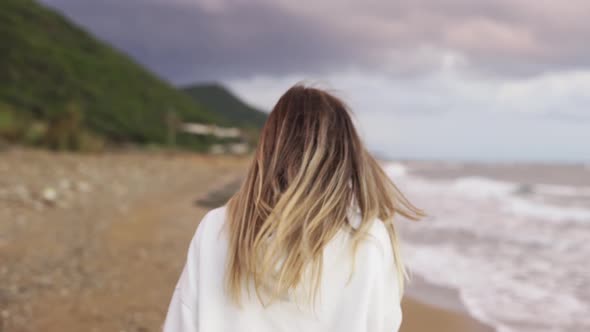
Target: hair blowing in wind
[309,168]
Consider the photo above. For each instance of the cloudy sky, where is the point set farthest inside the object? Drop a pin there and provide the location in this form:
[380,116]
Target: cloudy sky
[489,80]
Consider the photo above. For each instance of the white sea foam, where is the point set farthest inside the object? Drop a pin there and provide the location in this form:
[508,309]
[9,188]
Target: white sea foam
[519,263]
[481,188]
[523,207]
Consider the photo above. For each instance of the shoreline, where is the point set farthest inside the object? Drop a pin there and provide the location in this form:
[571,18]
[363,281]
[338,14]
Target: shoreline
[428,307]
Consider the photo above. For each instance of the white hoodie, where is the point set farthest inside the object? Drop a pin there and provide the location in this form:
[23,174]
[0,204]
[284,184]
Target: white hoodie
[367,302]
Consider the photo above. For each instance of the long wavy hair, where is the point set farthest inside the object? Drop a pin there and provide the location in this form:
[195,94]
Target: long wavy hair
[309,168]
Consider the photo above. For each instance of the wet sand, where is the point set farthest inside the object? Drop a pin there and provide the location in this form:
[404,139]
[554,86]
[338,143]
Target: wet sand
[427,307]
[421,317]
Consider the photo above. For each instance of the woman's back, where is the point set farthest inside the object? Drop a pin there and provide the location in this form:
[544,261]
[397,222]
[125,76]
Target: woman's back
[307,243]
[368,300]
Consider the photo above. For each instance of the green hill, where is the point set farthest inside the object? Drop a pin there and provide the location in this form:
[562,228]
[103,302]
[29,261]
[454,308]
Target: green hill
[230,109]
[63,88]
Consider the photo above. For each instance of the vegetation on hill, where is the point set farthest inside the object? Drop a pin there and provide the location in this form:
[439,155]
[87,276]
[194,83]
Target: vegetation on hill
[230,109]
[60,87]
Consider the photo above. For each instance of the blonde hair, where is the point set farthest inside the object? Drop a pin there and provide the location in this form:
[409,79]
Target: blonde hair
[309,165]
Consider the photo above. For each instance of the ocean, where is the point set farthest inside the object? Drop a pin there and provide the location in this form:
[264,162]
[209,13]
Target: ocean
[512,239]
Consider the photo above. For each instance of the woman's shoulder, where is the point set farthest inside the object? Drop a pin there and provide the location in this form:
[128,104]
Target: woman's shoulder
[376,237]
[211,223]
[214,214]
[377,227]
[382,239]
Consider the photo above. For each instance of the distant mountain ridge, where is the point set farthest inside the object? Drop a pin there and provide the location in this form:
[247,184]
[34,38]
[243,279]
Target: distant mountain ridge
[63,88]
[231,110]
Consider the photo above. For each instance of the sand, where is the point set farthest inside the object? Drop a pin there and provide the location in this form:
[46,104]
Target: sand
[428,307]
[104,250]
[421,317]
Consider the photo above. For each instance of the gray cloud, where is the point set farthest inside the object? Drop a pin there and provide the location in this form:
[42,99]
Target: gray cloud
[186,40]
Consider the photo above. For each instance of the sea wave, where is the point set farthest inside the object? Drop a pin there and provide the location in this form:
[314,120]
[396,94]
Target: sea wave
[509,194]
[518,261]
